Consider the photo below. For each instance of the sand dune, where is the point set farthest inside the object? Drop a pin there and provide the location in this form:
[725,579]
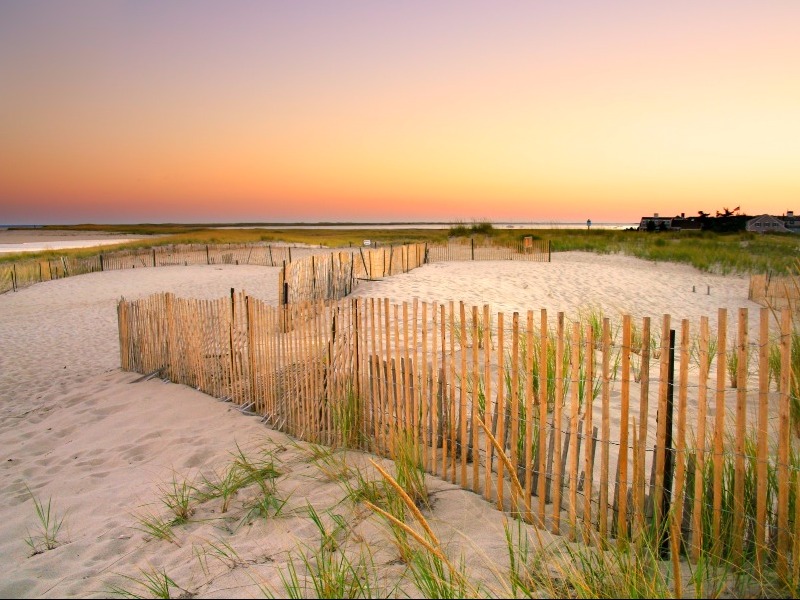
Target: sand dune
[76,429]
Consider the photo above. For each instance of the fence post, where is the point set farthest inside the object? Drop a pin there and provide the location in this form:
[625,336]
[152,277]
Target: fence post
[472,247]
[367,272]
[352,276]
[357,350]
[669,462]
[232,388]
[154,257]
[285,286]
[208,257]
[14,276]
[313,279]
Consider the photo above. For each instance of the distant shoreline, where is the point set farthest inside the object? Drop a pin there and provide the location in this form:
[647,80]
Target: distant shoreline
[340,225]
[38,240]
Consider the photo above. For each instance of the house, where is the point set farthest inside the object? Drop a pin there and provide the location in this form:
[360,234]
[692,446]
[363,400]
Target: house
[683,223]
[677,223]
[791,222]
[655,223]
[766,224]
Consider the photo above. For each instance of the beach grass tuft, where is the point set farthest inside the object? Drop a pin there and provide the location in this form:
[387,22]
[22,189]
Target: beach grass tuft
[153,582]
[48,526]
[178,497]
[156,527]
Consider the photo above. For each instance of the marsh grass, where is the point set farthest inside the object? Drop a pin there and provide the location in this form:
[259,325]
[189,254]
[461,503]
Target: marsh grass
[705,250]
[48,526]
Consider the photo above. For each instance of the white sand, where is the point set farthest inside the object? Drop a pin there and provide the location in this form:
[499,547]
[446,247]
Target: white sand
[76,429]
[575,282]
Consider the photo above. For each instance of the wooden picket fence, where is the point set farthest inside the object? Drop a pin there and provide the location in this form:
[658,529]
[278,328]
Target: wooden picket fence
[20,274]
[369,374]
[527,250]
[333,277]
[776,292]
[17,275]
[303,279]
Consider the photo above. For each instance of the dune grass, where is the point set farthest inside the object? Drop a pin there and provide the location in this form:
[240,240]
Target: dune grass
[150,583]
[336,561]
[48,526]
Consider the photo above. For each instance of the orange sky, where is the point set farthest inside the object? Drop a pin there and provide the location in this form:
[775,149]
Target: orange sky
[351,111]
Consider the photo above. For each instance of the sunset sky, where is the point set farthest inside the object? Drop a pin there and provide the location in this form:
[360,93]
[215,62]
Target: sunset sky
[275,111]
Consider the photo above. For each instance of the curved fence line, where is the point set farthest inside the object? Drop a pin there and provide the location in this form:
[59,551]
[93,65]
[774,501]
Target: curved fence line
[308,278]
[24,273]
[607,441]
[333,277]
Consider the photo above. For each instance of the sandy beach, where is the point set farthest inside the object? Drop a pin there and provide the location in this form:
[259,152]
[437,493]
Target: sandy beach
[100,442]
